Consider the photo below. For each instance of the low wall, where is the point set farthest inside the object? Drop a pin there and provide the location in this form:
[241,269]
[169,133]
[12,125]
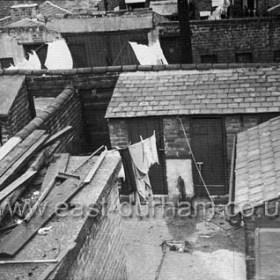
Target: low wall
[99,252]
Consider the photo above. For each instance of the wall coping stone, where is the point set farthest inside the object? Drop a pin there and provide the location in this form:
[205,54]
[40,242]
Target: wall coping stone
[135,68]
[43,116]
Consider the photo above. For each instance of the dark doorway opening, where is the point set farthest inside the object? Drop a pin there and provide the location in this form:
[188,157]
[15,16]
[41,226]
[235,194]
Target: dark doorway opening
[208,145]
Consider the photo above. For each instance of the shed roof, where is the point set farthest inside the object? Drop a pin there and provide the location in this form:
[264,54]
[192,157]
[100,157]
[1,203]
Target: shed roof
[257,170]
[183,92]
[9,88]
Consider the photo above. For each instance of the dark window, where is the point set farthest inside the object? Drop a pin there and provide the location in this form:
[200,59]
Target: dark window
[209,58]
[40,49]
[277,56]
[244,57]
[6,62]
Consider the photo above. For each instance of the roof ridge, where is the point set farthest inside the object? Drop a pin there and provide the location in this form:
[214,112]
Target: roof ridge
[135,68]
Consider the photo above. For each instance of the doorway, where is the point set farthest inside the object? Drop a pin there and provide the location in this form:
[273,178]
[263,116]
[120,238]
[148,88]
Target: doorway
[208,146]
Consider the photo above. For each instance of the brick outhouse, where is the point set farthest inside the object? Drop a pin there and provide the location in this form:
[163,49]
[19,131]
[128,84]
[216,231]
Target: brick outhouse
[213,106]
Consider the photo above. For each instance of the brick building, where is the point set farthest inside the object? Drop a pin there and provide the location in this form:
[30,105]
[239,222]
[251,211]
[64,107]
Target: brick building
[256,196]
[16,108]
[225,41]
[213,106]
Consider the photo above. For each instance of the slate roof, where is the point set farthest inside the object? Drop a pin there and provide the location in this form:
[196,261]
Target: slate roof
[49,9]
[184,92]
[25,22]
[257,171]
[9,88]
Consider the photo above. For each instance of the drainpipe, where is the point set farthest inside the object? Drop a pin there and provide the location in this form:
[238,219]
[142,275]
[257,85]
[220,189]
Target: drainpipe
[185,31]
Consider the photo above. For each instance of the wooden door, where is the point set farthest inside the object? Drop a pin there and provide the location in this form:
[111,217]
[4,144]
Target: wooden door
[208,147]
[145,127]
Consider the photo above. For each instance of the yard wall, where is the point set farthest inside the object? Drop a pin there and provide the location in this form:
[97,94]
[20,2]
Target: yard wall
[99,252]
[64,111]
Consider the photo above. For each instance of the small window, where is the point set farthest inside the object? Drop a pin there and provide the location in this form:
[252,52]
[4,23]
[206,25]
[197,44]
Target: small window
[6,62]
[244,57]
[277,56]
[209,58]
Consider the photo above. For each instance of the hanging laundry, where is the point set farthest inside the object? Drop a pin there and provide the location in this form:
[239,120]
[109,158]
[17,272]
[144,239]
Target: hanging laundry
[143,155]
[149,55]
[151,149]
[156,49]
[129,185]
[58,56]
[33,63]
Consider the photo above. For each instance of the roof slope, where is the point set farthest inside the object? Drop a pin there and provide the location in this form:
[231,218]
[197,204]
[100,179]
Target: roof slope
[257,171]
[49,9]
[25,22]
[229,91]
[9,88]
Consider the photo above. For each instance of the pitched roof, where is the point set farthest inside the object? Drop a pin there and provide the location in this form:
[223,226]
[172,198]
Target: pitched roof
[49,9]
[183,92]
[9,88]
[25,22]
[257,171]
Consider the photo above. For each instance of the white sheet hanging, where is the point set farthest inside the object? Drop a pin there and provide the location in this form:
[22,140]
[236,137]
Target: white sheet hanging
[58,56]
[149,55]
[33,63]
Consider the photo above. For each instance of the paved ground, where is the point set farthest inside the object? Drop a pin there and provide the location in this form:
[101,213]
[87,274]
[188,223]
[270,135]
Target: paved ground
[215,249]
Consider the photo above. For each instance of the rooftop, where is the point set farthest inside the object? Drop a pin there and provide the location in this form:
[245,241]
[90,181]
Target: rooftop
[190,92]
[10,86]
[257,171]
[23,23]
[49,9]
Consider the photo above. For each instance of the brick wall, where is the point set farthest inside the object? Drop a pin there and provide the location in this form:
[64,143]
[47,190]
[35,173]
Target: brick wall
[99,252]
[19,115]
[95,91]
[118,133]
[174,139]
[225,39]
[65,111]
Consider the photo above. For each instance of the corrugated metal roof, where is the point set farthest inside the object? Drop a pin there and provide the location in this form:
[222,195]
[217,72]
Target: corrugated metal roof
[180,92]
[9,88]
[257,171]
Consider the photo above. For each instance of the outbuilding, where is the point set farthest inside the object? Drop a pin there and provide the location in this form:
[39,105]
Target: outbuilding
[209,106]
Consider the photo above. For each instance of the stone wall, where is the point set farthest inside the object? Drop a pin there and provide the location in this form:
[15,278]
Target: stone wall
[19,115]
[226,39]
